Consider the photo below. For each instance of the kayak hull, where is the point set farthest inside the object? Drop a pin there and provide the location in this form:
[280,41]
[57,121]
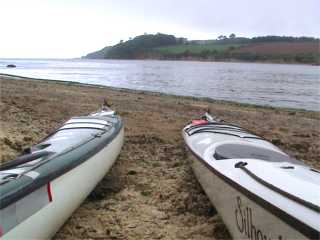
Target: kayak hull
[66,193]
[244,218]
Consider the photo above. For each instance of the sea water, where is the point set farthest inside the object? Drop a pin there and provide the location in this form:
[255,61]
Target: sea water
[279,85]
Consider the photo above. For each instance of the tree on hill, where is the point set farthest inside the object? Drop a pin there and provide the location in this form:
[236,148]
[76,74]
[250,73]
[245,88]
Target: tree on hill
[222,37]
[232,35]
[141,45]
[283,39]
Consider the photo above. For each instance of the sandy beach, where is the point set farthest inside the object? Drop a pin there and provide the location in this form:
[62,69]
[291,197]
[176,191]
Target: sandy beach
[151,192]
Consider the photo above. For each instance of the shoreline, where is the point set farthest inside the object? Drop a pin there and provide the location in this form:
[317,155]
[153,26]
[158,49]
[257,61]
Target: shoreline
[150,192]
[178,60]
[207,99]
[207,60]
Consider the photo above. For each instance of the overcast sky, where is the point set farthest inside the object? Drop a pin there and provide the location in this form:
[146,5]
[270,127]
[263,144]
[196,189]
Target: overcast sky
[73,28]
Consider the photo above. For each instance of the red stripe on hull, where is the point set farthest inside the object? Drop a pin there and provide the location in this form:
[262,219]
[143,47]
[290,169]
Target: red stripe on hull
[49,192]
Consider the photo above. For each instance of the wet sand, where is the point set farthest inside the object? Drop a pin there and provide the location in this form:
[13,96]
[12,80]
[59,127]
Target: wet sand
[151,192]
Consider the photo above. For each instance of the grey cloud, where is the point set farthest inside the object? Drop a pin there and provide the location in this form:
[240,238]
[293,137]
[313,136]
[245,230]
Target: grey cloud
[245,17]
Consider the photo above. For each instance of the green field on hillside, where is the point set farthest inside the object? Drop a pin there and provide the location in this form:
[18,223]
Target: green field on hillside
[196,48]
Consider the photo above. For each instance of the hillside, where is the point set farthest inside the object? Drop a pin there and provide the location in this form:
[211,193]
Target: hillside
[100,54]
[262,49]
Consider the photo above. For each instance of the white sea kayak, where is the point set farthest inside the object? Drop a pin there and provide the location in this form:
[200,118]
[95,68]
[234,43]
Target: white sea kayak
[41,188]
[259,191]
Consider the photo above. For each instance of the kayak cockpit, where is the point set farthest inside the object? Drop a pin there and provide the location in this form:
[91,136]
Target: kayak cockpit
[245,150]
[25,159]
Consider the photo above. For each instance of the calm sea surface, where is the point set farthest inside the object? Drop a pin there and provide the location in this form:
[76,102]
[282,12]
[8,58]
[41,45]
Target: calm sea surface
[295,86]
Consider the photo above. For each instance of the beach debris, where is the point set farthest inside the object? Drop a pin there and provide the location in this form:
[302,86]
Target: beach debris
[106,103]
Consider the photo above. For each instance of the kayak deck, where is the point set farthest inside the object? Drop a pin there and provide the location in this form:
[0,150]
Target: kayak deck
[70,145]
